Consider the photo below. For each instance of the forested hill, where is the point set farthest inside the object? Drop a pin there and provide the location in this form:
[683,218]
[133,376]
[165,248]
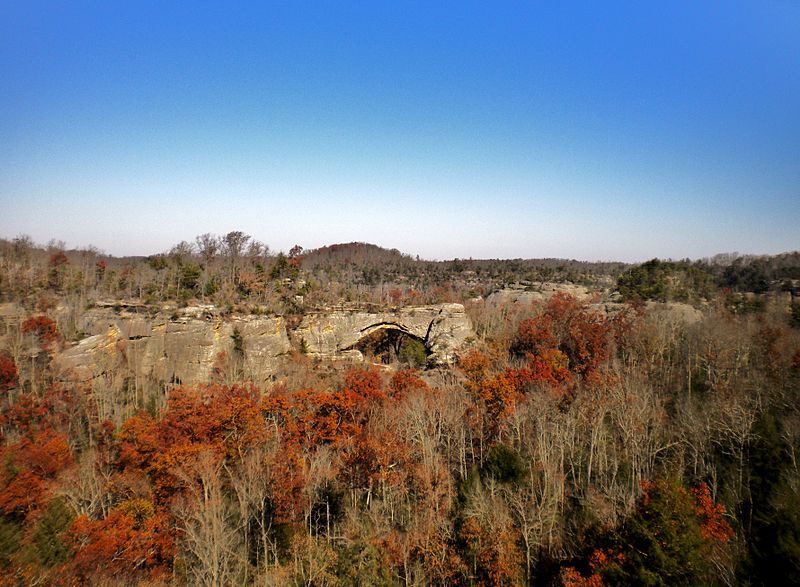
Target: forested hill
[235,269]
[365,255]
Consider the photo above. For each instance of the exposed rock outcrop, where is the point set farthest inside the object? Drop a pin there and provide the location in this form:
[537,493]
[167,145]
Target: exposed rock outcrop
[444,329]
[677,312]
[183,347]
[186,345]
[517,294]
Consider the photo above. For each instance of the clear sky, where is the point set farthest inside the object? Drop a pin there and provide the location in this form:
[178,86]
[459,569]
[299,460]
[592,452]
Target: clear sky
[588,130]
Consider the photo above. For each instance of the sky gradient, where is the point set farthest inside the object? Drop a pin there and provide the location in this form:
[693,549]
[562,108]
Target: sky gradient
[595,131]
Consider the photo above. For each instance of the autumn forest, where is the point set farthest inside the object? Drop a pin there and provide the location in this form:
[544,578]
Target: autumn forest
[599,423]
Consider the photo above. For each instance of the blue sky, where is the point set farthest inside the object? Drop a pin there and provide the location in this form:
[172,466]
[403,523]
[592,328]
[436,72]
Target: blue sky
[473,129]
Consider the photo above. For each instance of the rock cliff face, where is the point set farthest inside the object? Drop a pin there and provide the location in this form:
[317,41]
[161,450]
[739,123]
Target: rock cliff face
[522,296]
[181,348]
[444,329]
[185,346]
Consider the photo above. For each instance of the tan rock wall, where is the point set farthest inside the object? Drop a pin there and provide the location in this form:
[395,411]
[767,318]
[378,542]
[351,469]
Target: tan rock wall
[183,346]
[444,329]
[180,348]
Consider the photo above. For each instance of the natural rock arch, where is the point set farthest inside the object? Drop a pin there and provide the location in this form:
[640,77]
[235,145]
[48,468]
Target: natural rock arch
[444,329]
[389,342]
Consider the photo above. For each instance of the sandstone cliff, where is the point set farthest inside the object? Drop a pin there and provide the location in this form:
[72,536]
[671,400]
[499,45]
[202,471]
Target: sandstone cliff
[182,347]
[185,346]
[444,329]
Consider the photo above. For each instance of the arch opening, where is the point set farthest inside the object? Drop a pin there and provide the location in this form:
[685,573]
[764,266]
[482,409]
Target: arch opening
[389,344]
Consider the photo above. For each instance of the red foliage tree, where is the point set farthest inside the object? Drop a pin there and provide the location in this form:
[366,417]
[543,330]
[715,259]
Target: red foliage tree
[477,367]
[23,493]
[138,441]
[44,329]
[57,262]
[713,525]
[395,295]
[46,453]
[296,256]
[404,382]
[31,467]
[134,542]
[495,555]
[337,416]
[500,395]
[582,336]
[58,259]
[225,419]
[288,482]
[8,374]
[375,461]
[364,383]
[100,270]
[26,413]
[571,577]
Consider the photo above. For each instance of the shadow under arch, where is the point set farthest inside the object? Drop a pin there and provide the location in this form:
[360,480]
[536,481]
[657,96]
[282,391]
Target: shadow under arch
[389,342]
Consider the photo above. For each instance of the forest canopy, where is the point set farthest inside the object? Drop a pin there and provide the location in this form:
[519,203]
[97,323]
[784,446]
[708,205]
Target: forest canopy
[606,438]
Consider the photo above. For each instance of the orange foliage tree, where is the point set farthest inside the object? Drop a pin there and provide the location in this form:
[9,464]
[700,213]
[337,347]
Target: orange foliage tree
[133,543]
[566,338]
[44,329]
[8,374]
[31,467]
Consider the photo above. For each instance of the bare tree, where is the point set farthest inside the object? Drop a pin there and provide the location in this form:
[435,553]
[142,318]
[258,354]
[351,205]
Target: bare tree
[183,250]
[234,245]
[208,523]
[208,246]
[83,487]
[251,480]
